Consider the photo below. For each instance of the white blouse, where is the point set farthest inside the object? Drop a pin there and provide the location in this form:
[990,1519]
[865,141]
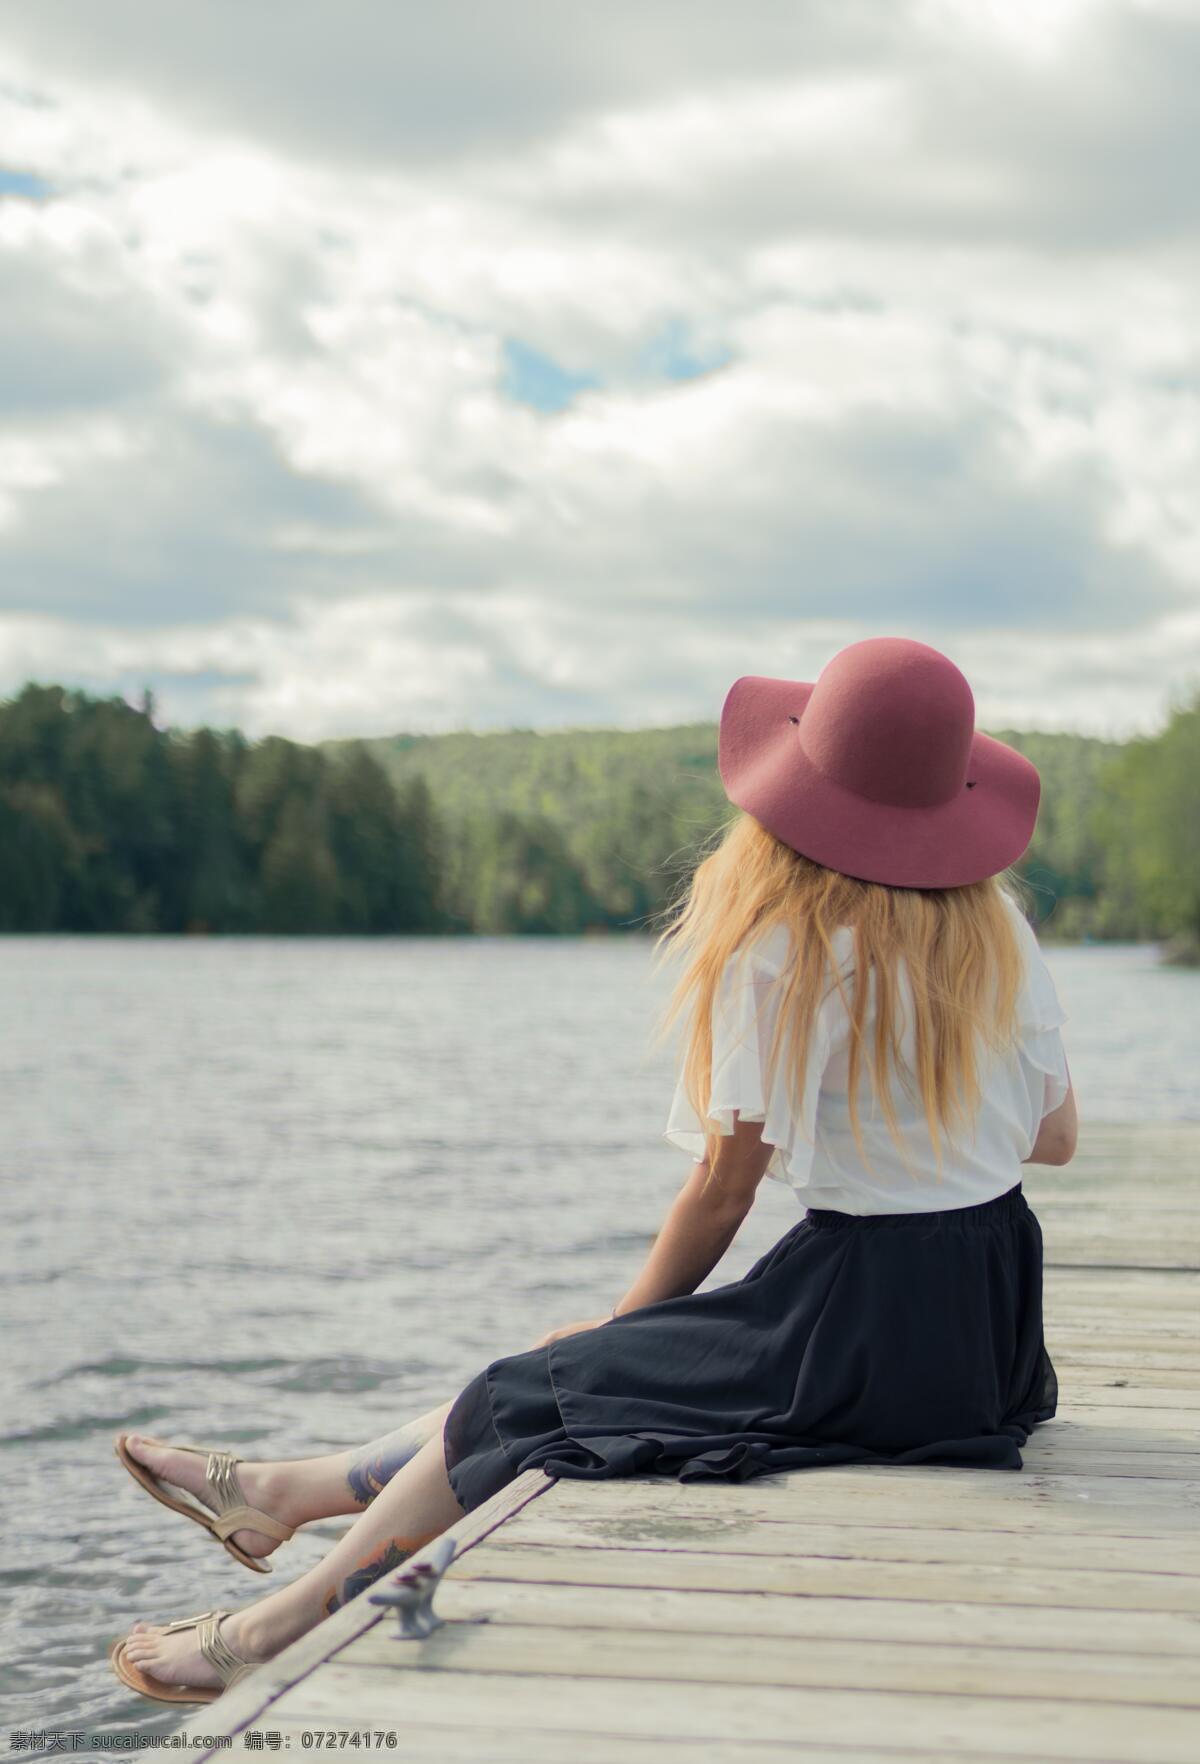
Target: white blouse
[815,1152]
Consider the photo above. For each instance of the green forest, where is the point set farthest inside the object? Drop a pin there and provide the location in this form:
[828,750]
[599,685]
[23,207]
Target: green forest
[111,823]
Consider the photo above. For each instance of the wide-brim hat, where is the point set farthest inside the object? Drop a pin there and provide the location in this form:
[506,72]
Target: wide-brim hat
[876,768]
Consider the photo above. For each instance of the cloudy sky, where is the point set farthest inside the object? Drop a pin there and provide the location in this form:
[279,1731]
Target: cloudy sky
[372,366]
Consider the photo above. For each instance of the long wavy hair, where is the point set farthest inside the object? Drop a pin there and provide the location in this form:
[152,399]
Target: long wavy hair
[959,945]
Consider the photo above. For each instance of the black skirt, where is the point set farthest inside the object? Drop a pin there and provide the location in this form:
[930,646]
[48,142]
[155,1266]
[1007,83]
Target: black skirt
[889,1338]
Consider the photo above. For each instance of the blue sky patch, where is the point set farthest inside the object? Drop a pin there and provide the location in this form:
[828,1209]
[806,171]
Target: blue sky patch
[673,354]
[18,183]
[534,379]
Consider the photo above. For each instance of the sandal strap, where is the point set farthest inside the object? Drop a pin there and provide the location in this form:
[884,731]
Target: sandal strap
[227,1664]
[190,1622]
[221,1471]
[232,1508]
[236,1518]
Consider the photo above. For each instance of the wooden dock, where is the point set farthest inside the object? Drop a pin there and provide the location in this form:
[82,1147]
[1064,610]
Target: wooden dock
[863,1613]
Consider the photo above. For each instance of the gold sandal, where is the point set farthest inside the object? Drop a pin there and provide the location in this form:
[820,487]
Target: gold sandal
[229,1511]
[216,1650]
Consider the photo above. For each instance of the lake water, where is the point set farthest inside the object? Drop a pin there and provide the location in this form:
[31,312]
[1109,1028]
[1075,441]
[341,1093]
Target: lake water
[281,1195]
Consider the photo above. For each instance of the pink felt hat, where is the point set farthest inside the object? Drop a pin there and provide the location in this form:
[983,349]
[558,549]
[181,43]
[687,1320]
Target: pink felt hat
[876,769]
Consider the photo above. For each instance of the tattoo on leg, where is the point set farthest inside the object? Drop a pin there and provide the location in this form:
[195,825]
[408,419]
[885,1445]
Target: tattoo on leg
[378,1462]
[382,1559]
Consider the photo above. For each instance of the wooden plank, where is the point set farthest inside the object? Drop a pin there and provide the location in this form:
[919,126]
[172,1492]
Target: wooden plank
[865,1543]
[968,1583]
[1119,1427]
[1139,1288]
[532,1702]
[1172,1331]
[1147,1355]
[930,1622]
[1157,1292]
[926,1489]
[449,1744]
[1078,1458]
[576,1647]
[1118,1252]
[1149,1251]
[1172,1306]
[1141,1405]
[1000,1500]
[1091,1521]
[1105,1373]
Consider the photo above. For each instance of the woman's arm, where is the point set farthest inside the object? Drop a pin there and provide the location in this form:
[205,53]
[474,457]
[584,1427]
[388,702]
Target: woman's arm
[702,1223]
[704,1218]
[1058,1134]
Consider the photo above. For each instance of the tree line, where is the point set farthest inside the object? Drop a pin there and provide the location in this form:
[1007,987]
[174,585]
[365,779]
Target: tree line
[109,822]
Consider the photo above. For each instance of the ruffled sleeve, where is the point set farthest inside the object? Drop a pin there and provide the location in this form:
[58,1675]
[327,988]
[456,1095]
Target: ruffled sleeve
[744,1014]
[1040,1018]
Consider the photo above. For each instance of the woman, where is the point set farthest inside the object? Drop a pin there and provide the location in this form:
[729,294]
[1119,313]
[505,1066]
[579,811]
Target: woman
[857,916]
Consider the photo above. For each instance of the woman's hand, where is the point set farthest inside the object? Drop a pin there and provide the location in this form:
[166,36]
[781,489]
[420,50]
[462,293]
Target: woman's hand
[568,1329]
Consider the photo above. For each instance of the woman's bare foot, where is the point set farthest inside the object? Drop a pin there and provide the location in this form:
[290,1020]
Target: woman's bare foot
[176,1659]
[265,1486]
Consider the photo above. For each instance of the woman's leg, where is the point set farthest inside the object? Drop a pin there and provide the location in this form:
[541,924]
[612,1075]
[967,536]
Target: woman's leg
[295,1490]
[416,1505]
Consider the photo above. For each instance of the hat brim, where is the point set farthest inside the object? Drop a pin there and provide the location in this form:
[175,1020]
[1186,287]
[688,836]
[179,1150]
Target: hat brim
[765,770]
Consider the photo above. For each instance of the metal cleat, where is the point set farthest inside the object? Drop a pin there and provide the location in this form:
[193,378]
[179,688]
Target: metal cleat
[410,1595]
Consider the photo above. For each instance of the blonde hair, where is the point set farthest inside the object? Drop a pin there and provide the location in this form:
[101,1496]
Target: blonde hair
[959,945]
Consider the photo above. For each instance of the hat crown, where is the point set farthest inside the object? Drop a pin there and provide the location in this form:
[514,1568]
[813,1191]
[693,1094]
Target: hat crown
[891,720]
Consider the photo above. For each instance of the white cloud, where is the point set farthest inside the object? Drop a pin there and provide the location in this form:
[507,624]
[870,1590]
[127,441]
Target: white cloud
[255,442]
